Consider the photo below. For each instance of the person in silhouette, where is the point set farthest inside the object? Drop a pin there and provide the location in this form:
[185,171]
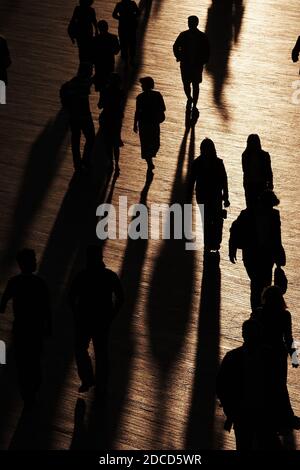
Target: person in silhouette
[110,120]
[5,60]
[192,50]
[257,232]
[127,14]
[257,170]
[81,29]
[276,324]
[209,174]
[149,114]
[296,51]
[105,47]
[96,296]
[246,383]
[75,100]
[32,322]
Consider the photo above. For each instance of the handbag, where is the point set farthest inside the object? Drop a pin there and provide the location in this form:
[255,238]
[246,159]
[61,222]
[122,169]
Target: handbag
[280,279]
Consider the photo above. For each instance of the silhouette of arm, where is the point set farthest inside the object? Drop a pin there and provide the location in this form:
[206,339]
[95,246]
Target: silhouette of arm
[177,48]
[6,297]
[236,238]
[296,51]
[94,22]
[279,252]
[116,13]
[287,333]
[269,172]
[191,182]
[72,25]
[225,186]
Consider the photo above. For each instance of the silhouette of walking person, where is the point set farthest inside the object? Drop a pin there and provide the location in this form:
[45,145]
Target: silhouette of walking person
[246,383]
[276,324]
[91,297]
[296,51]
[105,47]
[257,170]
[127,13]
[32,323]
[75,99]
[110,120]
[81,29]
[209,174]
[257,233]
[5,60]
[149,114]
[192,50]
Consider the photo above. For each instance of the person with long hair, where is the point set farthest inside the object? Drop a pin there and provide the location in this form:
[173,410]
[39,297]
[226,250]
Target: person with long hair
[257,170]
[209,174]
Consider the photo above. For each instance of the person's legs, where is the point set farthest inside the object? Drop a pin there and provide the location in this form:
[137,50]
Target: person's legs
[196,90]
[100,343]
[83,360]
[75,142]
[88,130]
[124,44]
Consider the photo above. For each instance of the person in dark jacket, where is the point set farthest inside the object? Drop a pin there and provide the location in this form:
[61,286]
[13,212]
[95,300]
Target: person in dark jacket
[81,29]
[296,51]
[96,296]
[5,60]
[75,100]
[209,174]
[105,47]
[246,387]
[149,114]
[127,14]
[257,232]
[192,50]
[110,120]
[32,322]
[257,170]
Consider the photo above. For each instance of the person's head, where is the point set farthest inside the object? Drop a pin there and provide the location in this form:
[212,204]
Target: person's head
[193,22]
[94,256]
[208,149]
[251,332]
[86,3]
[268,199]
[147,83]
[26,260]
[272,299]
[253,143]
[85,70]
[103,26]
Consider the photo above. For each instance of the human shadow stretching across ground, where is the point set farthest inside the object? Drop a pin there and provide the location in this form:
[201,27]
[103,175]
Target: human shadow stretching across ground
[223,26]
[170,295]
[45,157]
[200,427]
